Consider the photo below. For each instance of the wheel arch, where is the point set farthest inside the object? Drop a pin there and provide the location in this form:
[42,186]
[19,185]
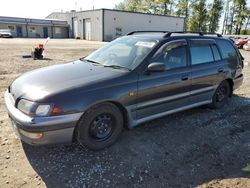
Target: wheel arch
[231,84]
[121,107]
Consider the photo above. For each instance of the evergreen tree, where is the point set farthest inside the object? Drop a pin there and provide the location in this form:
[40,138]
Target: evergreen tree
[182,8]
[214,15]
[198,20]
[240,14]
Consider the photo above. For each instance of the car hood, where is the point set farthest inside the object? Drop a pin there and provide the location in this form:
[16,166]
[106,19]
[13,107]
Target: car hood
[40,83]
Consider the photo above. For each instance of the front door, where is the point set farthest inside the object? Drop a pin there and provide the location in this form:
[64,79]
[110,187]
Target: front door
[45,32]
[19,31]
[159,93]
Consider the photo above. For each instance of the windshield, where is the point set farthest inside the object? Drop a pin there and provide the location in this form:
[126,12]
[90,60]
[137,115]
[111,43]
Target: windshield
[126,52]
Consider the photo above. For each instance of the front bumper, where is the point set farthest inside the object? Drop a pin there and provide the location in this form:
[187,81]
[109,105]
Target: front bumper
[54,129]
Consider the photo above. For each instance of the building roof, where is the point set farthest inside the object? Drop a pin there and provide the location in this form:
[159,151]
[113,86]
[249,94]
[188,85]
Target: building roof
[32,21]
[115,10]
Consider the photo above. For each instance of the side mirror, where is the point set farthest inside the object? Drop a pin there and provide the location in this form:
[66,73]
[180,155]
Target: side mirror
[156,67]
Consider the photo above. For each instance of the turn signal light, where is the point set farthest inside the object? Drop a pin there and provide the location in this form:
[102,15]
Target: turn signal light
[31,135]
[56,111]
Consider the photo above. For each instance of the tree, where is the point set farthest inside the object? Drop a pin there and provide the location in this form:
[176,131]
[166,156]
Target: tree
[246,31]
[226,15]
[198,20]
[182,8]
[240,14]
[214,15]
[120,6]
[163,7]
[130,5]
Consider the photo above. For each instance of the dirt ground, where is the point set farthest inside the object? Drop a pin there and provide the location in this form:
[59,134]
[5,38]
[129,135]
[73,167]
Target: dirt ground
[196,148]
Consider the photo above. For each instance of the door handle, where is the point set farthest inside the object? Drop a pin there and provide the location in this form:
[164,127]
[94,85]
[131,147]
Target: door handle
[220,70]
[184,77]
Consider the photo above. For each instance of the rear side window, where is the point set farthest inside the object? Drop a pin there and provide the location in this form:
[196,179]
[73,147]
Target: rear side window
[201,54]
[228,52]
[216,52]
[227,49]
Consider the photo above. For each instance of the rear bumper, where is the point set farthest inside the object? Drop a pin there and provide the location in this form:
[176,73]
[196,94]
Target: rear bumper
[53,130]
[238,81]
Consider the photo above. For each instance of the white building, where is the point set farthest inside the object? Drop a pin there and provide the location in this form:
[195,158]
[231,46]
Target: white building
[106,24]
[35,28]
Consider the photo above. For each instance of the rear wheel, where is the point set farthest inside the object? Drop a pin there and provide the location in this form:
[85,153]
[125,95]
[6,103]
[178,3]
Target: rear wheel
[100,126]
[221,95]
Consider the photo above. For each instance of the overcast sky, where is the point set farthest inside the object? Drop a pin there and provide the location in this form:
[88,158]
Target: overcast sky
[42,8]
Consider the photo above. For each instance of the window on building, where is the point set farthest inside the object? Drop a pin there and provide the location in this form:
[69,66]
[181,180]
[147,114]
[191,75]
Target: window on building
[118,32]
[58,30]
[32,29]
[201,54]
[11,27]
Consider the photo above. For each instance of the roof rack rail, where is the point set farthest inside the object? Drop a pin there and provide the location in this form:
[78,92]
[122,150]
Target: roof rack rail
[134,32]
[191,32]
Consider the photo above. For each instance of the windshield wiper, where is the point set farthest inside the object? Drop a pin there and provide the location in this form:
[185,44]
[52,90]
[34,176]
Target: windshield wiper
[117,67]
[94,62]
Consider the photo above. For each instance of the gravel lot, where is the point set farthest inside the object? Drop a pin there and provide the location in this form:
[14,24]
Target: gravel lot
[196,148]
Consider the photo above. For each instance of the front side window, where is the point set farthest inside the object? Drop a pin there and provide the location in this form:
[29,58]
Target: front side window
[173,55]
[125,52]
[201,54]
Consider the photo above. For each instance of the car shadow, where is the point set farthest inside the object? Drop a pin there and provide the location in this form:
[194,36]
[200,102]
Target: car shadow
[186,149]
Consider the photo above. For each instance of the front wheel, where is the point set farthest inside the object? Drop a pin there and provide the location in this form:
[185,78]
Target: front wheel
[100,126]
[221,95]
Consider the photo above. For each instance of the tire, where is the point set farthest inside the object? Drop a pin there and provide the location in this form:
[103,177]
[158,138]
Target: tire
[221,95]
[100,126]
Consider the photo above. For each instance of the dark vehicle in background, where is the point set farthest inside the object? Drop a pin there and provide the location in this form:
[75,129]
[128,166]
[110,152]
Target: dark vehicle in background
[133,79]
[5,33]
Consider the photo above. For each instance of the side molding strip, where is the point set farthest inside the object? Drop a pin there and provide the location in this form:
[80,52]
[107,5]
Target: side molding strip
[135,123]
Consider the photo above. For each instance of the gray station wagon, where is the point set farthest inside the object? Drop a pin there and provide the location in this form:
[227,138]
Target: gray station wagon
[131,80]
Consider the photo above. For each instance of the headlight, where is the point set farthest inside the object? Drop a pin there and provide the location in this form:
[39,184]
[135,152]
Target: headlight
[26,106]
[43,110]
[34,109]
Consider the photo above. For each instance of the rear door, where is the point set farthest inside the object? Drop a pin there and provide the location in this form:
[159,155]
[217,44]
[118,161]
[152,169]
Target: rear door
[207,69]
[161,92]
